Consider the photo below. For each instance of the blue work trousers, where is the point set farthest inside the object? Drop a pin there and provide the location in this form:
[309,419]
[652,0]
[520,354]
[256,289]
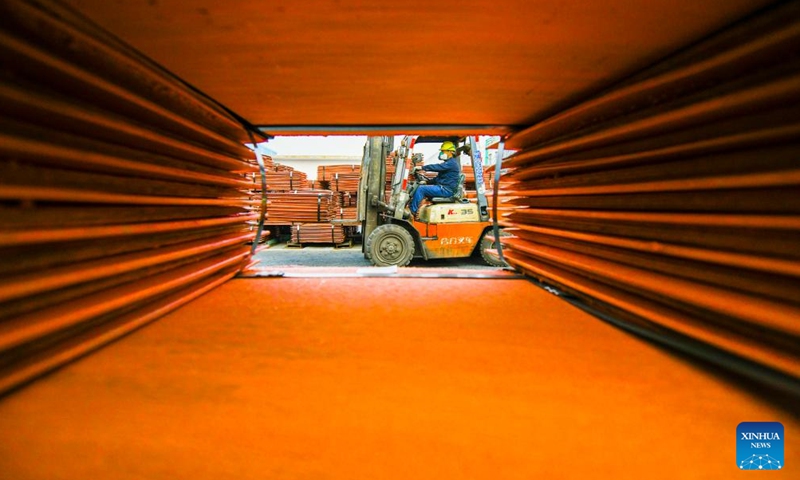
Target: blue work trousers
[428,191]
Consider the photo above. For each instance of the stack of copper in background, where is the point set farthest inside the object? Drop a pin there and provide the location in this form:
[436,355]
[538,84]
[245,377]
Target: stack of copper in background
[348,210]
[294,203]
[343,181]
[339,178]
[390,169]
[282,178]
[346,182]
[286,208]
[304,233]
[309,210]
[469,179]
[327,173]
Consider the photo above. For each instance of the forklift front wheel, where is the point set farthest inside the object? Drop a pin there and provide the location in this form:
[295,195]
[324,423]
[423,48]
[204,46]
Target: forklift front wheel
[488,248]
[390,244]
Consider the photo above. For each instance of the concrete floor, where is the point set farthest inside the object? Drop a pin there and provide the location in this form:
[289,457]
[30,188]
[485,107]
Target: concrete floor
[325,256]
[342,378]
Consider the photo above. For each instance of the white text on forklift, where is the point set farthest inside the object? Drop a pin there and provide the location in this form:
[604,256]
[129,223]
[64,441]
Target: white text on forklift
[455,240]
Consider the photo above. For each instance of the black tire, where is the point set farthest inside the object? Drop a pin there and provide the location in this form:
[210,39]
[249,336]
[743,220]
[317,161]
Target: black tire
[487,243]
[390,244]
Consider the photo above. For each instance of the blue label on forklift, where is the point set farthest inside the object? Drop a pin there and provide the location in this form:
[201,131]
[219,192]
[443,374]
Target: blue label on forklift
[478,170]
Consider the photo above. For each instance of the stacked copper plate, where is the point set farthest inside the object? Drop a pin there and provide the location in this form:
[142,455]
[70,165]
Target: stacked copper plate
[305,233]
[339,178]
[505,194]
[390,169]
[347,214]
[344,182]
[286,180]
[469,174]
[469,181]
[348,206]
[285,208]
[127,194]
[671,201]
[299,178]
[291,200]
[347,199]
[329,172]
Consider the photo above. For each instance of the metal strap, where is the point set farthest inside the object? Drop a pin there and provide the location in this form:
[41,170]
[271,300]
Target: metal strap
[263,170]
[498,164]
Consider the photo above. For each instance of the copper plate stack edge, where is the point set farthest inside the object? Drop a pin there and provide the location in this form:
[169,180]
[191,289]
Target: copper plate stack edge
[124,192]
[672,199]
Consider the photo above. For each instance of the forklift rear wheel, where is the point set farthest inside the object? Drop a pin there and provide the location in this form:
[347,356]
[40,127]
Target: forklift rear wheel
[488,243]
[390,244]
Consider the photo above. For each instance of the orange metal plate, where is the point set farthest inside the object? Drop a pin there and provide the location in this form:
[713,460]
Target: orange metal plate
[279,378]
[365,62]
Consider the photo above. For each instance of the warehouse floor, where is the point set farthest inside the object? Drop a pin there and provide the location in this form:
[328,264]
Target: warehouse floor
[405,378]
[327,256]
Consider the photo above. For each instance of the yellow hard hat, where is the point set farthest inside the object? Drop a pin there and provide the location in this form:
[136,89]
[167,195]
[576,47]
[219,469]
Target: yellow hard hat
[448,146]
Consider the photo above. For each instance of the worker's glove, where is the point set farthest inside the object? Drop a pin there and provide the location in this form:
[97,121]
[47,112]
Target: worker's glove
[416,169]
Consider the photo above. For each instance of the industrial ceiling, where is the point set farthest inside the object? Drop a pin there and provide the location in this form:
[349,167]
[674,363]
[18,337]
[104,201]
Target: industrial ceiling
[326,65]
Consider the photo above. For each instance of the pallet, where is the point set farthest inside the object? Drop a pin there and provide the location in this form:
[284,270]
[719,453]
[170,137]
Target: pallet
[346,223]
[345,244]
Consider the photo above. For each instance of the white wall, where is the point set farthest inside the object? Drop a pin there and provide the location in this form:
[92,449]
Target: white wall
[309,163]
[307,153]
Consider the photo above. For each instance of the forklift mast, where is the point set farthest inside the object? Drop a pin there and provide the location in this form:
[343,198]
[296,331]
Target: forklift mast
[372,184]
[402,159]
[480,185]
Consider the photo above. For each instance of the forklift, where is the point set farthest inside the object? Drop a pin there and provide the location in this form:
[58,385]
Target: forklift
[447,227]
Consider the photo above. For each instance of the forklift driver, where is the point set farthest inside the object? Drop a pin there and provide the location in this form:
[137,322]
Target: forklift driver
[446,183]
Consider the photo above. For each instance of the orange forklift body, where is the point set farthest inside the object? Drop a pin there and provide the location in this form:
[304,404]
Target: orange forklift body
[450,240]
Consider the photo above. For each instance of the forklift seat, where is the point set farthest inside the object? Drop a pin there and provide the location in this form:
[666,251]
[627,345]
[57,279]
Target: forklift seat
[457,197]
